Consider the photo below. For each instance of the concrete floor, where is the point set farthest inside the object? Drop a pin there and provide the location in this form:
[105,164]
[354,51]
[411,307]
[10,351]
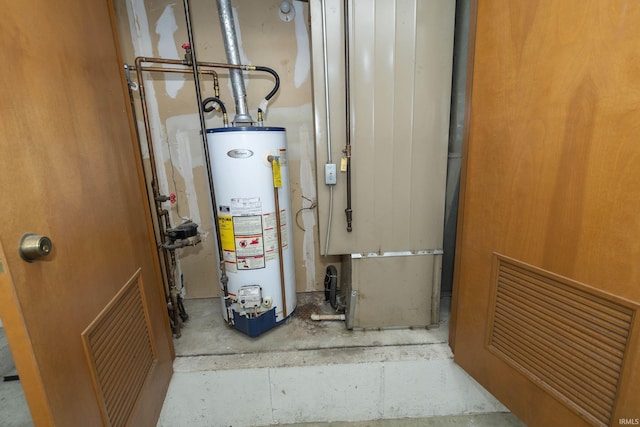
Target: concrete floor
[206,334]
[306,373]
[309,373]
[475,420]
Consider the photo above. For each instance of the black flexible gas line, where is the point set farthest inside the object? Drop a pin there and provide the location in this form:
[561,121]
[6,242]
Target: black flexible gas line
[275,76]
[213,99]
[211,108]
[270,94]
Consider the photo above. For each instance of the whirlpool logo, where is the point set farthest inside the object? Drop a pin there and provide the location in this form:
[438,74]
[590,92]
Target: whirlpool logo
[240,153]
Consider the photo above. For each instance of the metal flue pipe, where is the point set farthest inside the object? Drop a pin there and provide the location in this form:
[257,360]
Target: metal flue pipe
[233,57]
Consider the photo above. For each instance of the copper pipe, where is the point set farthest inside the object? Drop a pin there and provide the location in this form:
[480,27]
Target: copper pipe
[280,256]
[166,287]
[176,70]
[165,257]
[210,72]
[243,67]
[158,199]
[147,130]
[141,59]
[154,184]
[279,234]
[169,261]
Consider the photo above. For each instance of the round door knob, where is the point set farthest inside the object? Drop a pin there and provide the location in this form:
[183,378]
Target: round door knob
[33,247]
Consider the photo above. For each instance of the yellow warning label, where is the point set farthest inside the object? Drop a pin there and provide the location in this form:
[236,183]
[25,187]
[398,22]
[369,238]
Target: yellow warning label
[277,174]
[225,224]
[343,164]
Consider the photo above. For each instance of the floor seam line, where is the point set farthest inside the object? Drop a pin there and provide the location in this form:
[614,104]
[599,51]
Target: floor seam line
[357,347]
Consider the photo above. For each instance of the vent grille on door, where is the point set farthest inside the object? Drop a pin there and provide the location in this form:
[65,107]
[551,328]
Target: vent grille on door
[119,349]
[565,336]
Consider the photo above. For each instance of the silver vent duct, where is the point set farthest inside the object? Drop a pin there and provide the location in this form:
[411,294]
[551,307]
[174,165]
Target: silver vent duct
[233,57]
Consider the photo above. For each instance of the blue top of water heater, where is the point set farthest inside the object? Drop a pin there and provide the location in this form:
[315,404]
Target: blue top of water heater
[247,129]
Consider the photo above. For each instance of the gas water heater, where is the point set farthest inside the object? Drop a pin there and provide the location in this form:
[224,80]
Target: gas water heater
[251,182]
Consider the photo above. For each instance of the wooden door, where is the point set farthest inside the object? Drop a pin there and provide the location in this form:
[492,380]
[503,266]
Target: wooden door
[87,325]
[547,280]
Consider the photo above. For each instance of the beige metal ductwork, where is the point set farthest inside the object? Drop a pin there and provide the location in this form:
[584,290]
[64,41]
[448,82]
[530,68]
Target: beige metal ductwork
[398,93]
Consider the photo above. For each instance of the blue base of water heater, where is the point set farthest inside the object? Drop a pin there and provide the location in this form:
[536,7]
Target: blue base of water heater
[256,325]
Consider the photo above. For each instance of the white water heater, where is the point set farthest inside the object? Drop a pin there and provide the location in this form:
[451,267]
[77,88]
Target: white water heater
[250,173]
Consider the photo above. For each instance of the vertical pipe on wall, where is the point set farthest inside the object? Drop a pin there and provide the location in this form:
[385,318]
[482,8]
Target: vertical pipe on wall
[233,57]
[456,128]
[347,149]
[154,192]
[323,5]
[205,145]
[163,214]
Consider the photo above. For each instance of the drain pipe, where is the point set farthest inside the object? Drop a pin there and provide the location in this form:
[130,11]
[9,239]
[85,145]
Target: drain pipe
[233,57]
[319,317]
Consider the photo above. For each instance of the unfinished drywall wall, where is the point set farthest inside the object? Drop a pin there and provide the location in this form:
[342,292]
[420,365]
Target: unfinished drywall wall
[157,28]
